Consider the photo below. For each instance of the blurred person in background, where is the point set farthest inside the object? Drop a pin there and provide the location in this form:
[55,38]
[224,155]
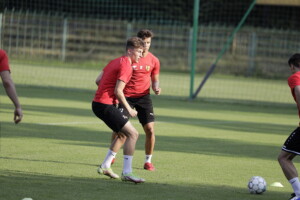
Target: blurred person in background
[291,147]
[9,86]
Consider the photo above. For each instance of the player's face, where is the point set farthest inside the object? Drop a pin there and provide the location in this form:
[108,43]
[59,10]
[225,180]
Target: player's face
[136,54]
[147,42]
[292,68]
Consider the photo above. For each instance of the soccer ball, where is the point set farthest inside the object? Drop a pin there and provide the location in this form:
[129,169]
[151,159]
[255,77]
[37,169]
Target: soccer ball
[257,185]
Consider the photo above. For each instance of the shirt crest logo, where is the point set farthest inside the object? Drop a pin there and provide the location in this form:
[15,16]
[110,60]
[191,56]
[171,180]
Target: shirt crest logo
[147,67]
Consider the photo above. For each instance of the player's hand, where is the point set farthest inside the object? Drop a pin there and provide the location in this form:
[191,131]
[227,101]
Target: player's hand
[157,91]
[132,113]
[18,115]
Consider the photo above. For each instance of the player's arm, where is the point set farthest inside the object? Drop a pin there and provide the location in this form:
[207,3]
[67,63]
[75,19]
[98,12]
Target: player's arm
[11,92]
[99,78]
[155,84]
[297,94]
[121,97]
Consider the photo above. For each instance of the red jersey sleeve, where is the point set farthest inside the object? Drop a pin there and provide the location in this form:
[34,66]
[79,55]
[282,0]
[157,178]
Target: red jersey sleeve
[294,80]
[125,71]
[4,66]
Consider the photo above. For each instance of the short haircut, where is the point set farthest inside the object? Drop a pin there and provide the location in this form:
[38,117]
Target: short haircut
[135,43]
[145,33]
[294,60]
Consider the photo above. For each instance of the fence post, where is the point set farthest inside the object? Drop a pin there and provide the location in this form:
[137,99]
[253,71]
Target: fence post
[32,38]
[128,30]
[18,32]
[194,45]
[190,47]
[1,14]
[64,39]
[53,33]
[25,33]
[10,30]
[46,46]
[252,54]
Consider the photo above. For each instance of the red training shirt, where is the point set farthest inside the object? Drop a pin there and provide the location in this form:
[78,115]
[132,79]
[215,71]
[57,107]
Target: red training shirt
[117,69]
[4,66]
[293,81]
[139,84]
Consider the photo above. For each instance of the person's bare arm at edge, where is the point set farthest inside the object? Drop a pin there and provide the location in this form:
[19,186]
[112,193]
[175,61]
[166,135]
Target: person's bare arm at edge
[297,94]
[11,92]
[155,84]
[99,78]
[121,97]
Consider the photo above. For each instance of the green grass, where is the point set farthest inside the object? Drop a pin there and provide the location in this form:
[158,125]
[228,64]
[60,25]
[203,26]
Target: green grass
[81,64]
[203,150]
[223,88]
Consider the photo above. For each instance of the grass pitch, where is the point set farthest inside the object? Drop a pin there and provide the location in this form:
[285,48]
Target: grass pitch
[203,150]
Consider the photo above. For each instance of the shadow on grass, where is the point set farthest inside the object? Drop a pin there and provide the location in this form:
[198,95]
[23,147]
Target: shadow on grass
[47,161]
[230,125]
[217,105]
[197,145]
[56,93]
[172,102]
[213,146]
[47,110]
[221,124]
[17,185]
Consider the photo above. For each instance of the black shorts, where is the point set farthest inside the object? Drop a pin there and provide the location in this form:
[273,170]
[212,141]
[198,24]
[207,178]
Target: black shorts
[292,144]
[111,116]
[143,106]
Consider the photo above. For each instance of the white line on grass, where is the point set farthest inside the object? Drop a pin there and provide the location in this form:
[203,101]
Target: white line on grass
[67,123]
[136,122]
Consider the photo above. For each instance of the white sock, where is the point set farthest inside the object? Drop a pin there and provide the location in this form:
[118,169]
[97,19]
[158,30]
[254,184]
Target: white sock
[127,167]
[148,158]
[109,157]
[296,185]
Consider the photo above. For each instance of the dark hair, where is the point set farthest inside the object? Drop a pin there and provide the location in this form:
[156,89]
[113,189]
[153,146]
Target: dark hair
[145,33]
[295,60]
[134,43]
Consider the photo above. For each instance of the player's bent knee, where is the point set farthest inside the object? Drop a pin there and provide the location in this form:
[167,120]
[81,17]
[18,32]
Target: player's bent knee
[283,158]
[130,131]
[279,159]
[135,135]
[149,130]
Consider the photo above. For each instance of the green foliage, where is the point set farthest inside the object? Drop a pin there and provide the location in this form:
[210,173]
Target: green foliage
[168,12]
[224,88]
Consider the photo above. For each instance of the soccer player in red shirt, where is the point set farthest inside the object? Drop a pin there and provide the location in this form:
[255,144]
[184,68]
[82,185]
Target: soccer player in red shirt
[137,92]
[111,83]
[291,147]
[9,86]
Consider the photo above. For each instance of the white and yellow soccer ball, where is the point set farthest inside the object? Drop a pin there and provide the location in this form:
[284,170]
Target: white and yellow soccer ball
[257,185]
